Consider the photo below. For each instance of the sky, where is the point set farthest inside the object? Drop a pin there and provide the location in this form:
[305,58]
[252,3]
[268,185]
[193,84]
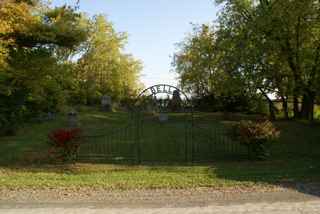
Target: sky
[154,28]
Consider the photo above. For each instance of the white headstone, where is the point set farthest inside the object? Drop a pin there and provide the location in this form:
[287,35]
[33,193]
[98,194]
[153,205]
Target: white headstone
[106,103]
[73,119]
[163,117]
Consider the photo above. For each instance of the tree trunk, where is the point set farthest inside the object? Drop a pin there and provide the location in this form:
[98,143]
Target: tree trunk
[285,107]
[296,111]
[271,105]
[304,107]
[271,110]
[311,108]
[308,106]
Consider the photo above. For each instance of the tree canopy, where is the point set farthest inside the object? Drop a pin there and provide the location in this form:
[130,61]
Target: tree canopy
[51,57]
[265,47]
[104,68]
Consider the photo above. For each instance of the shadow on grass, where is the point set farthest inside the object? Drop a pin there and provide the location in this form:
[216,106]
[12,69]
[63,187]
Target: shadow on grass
[300,174]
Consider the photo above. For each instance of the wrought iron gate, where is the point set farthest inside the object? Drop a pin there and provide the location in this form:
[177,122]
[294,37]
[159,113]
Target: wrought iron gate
[162,128]
[165,116]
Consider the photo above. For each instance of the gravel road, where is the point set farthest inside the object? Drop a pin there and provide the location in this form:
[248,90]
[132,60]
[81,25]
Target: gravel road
[197,201]
[310,207]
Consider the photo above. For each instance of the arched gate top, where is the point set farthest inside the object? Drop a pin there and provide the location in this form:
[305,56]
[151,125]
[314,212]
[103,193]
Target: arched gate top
[162,89]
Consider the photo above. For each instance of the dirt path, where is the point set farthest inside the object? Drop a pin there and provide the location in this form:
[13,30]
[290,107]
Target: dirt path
[309,207]
[304,199]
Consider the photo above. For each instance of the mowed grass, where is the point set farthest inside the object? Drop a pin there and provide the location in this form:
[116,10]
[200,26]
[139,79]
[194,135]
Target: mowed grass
[296,159]
[30,142]
[317,112]
[114,177]
[216,175]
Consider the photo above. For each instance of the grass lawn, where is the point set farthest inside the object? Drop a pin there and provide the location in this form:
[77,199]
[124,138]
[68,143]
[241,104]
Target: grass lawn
[216,175]
[317,112]
[20,154]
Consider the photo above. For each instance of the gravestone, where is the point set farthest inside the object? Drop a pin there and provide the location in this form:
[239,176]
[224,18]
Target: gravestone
[51,116]
[175,103]
[73,119]
[106,103]
[163,117]
[45,117]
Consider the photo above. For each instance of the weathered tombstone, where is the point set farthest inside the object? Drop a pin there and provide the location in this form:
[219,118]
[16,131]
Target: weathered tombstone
[73,119]
[149,107]
[106,103]
[45,117]
[50,116]
[163,117]
[175,102]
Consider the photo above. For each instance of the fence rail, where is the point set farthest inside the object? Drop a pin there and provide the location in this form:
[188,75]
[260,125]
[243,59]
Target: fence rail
[187,141]
[144,143]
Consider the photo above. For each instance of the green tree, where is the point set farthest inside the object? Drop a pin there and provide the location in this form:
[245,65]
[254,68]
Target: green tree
[205,69]
[104,67]
[246,54]
[31,74]
[287,35]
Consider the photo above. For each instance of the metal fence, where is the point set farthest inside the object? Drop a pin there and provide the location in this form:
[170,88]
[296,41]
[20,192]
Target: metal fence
[149,140]
[173,134]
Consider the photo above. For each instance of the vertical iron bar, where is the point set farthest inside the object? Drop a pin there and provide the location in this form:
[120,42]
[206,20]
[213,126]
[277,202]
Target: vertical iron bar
[186,140]
[192,137]
[138,122]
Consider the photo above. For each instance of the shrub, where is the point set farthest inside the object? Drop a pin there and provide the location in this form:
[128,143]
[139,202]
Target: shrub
[64,144]
[257,136]
[227,103]
[12,111]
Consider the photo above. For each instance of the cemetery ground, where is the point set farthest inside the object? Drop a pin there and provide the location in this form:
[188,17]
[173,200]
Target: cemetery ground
[23,165]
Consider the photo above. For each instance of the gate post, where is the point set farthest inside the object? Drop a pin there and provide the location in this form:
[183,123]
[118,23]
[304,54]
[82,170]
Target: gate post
[186,133]
[192,137]
[137,137]
[189,138]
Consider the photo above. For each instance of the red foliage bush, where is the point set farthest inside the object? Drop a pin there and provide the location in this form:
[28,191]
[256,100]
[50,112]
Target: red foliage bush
[61,137]
[64,143]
